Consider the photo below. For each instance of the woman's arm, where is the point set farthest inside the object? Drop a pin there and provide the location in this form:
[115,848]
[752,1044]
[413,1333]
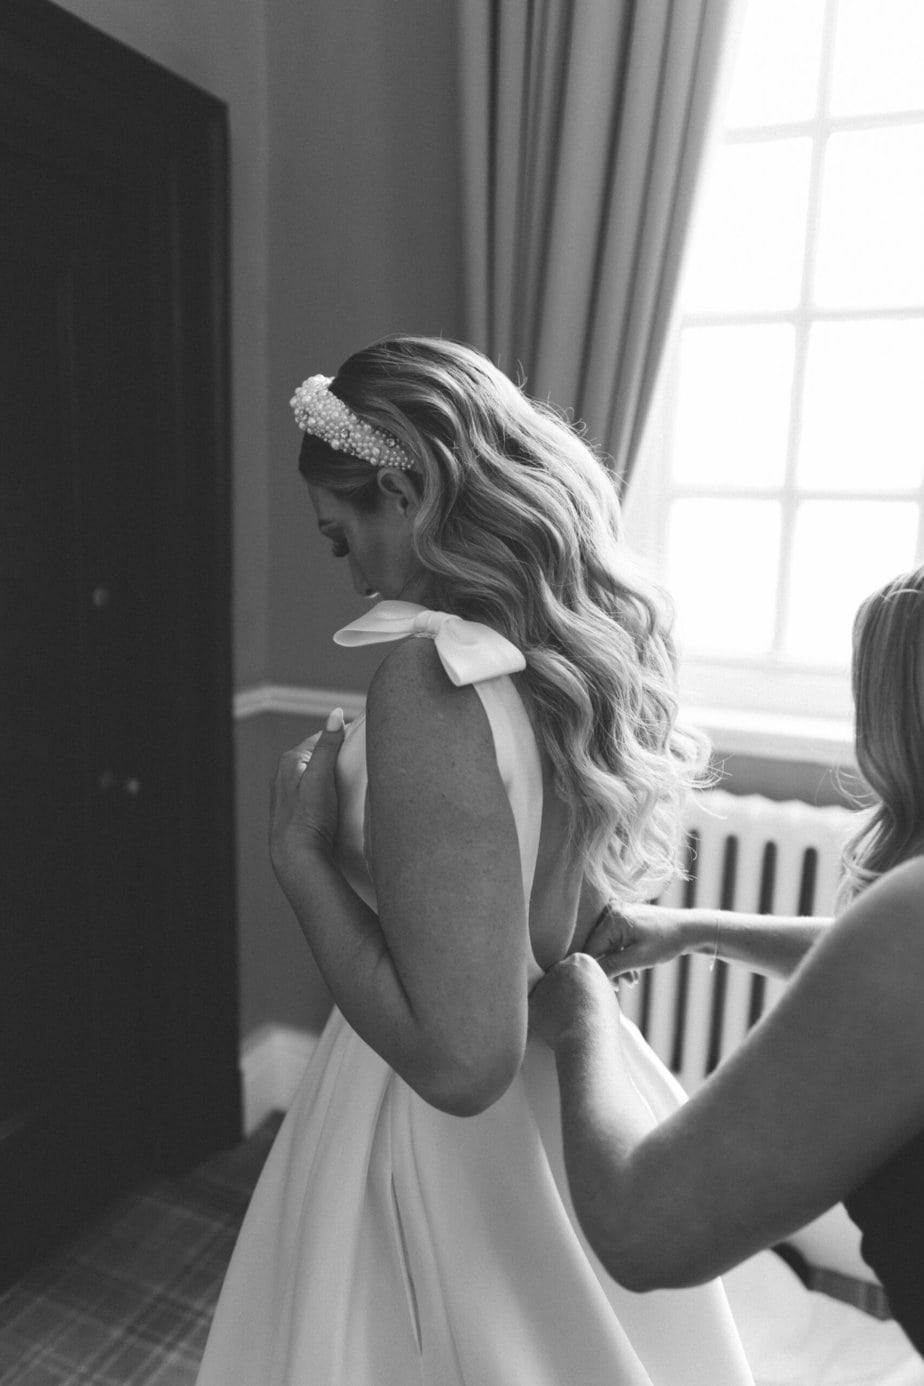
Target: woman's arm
[436,982]
[824,1089]
[637,936]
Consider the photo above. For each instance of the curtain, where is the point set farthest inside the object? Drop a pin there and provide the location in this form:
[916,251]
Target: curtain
[584,128]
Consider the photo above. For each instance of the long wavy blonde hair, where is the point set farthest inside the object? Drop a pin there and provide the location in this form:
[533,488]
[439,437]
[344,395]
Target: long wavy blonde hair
[519,528]
[888,694]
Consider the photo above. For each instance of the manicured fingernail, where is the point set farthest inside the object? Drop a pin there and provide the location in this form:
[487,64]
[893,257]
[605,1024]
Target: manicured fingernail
[334,720]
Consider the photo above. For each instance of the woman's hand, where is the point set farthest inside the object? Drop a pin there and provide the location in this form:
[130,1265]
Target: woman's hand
[630,937]
[303,806]
[568,998]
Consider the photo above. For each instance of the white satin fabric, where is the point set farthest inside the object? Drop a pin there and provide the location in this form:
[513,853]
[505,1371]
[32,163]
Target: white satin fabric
[469,651]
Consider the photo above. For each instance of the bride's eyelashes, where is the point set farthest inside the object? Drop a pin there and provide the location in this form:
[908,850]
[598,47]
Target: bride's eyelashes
[338,544]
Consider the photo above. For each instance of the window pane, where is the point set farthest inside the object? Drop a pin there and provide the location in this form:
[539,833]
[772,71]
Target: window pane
[776,66]
[750,235]
[734,391]
[872,219]
[878,57]
[722,561]
[863,411]
[842,551]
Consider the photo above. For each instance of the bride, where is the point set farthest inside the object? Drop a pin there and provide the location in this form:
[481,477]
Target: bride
[518,765]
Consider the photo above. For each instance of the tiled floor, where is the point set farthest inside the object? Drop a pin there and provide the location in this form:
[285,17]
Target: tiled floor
[128,1301]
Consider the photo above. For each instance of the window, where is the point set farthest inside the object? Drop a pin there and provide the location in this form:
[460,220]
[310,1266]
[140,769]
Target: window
[785,476]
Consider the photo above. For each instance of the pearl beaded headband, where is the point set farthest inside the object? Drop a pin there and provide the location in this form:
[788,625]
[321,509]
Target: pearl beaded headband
[324,416]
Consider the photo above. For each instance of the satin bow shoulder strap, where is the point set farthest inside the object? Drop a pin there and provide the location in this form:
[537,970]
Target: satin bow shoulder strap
[469,651]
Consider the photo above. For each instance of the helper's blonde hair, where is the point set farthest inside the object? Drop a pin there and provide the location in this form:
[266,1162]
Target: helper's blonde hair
[888,694]
[519,527]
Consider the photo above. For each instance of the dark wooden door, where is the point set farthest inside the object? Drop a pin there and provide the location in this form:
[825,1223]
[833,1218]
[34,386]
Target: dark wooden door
[117,976]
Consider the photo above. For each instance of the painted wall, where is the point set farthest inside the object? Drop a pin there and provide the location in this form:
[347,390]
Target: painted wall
[345,224]
[364,217]
[788,779]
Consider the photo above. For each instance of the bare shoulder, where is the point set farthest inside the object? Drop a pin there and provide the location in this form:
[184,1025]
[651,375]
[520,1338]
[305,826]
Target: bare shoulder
[874,954]
[906,881]
[413,705]
[890,913]
[411,669]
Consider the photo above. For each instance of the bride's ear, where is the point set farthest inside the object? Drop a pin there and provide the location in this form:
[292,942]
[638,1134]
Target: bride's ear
[397,488]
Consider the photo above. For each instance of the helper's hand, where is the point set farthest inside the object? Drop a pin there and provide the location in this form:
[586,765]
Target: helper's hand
[303,806]
[630,937]
[570,996]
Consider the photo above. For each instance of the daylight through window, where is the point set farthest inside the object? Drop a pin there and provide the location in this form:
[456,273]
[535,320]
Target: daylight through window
[788,479]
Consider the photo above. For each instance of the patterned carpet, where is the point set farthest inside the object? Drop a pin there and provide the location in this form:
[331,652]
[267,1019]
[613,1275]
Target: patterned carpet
[128,1301]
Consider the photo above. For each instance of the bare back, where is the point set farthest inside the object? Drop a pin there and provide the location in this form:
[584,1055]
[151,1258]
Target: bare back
[561,910]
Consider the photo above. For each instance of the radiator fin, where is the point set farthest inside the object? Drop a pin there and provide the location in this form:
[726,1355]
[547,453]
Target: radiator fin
[748,853]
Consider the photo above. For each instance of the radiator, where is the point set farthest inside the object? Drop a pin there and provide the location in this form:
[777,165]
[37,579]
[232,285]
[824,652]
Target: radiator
[748,853]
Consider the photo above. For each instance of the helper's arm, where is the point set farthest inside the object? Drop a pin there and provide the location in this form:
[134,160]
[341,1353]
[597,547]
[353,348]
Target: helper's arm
[823,1090]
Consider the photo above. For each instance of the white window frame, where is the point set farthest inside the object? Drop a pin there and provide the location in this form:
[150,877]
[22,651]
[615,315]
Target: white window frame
[767,705]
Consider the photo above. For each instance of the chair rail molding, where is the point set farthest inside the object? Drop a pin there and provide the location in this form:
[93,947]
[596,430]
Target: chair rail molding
[296,701]
[773,735]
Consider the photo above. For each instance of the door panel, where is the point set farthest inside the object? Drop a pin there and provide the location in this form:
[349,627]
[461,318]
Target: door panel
[80,978]
[118,999]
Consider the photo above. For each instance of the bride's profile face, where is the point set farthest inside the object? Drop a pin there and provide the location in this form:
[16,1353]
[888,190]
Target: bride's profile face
[376,544]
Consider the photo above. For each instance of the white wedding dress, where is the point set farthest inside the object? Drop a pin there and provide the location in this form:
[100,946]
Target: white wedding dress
[389,1244]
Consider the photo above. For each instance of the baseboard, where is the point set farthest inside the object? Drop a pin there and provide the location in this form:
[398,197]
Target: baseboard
[273,1059]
